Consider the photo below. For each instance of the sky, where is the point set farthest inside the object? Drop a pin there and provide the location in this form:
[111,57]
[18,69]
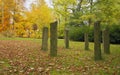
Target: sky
[28,2]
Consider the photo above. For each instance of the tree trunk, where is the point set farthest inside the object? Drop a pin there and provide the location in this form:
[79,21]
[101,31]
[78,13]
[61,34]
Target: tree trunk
[53,39]
[66,38]
[86,37]
[13,20]
[28,33]
[45,39]
[2,13]
[97,42]
[106,40]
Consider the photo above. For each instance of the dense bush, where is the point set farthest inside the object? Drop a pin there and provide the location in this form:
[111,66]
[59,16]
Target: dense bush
[115,34]
[77,34]
[7,33]
[61,31]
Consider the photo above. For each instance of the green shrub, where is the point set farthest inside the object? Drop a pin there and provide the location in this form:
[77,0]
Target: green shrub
[61,30]
[91,34]
[115,34]
[61,33]
[77,34]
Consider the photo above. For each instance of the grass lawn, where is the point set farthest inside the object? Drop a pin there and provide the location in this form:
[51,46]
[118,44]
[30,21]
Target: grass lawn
[23,56]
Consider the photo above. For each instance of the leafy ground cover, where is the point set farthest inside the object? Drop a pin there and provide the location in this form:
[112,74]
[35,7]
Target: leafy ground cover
[22,56]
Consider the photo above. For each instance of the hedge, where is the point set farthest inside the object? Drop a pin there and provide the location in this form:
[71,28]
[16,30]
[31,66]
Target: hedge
[77,34]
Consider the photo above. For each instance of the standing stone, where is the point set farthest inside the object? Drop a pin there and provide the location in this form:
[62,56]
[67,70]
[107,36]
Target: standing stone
[86,37]
[45,39]
[53,39]
[66,38]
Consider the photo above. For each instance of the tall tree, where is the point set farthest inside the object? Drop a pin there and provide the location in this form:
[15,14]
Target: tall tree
[106,11]
[5,15]
[7,11]
[42,16]
[86,35]
[82,16]
[63,8]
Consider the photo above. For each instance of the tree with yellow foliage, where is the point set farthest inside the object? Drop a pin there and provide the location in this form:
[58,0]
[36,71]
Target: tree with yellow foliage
[10,12]
[40,14]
